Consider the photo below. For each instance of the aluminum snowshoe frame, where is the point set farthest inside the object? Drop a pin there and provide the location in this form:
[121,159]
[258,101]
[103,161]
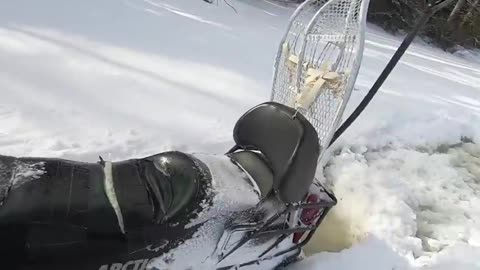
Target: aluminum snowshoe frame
[318,60]
[288,78]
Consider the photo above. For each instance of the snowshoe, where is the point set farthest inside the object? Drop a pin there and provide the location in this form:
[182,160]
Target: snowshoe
[318,60]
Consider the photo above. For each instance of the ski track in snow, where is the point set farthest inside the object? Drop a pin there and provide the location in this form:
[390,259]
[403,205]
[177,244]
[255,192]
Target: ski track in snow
[130,78]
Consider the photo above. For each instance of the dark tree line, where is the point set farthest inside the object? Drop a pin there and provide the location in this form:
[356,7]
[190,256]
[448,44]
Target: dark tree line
[459,24]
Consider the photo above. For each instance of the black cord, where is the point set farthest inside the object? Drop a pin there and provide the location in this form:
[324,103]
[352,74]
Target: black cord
[432,8]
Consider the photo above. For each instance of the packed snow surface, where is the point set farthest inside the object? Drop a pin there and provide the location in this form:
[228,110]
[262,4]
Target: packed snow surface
[130,78]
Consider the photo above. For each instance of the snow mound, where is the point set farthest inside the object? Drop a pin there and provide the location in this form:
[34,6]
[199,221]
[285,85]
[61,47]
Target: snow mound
[421,201]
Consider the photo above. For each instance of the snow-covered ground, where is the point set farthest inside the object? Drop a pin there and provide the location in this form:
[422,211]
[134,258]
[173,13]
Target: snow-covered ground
[128,78]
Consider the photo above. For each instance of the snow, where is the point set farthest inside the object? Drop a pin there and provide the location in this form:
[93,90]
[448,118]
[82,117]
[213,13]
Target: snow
[25,172]
[17,174]
[226,201]
[419,201]
[131,78]
[372,254]
[225,174]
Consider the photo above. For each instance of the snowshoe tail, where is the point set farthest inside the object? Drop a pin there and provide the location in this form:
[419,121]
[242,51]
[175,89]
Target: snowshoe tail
[318,61]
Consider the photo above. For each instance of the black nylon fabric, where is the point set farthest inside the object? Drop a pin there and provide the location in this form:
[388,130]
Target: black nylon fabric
[53,190]
[56,212]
